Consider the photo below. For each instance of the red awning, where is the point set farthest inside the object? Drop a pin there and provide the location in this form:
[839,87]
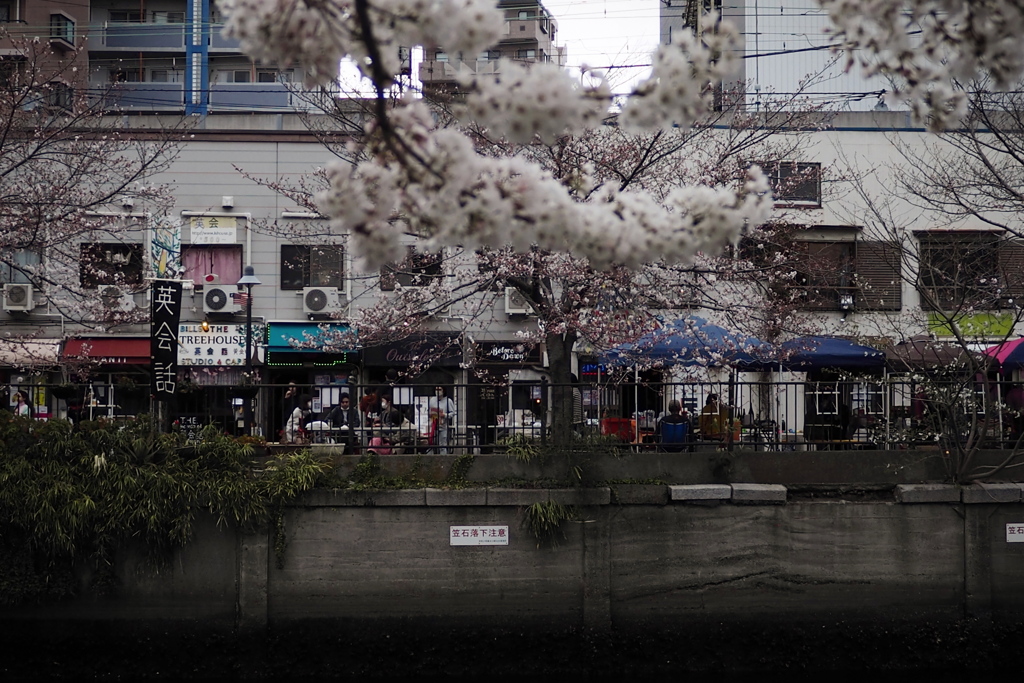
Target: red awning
[109,350]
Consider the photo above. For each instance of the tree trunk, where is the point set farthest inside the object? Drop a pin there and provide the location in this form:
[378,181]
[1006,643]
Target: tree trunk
[559,349]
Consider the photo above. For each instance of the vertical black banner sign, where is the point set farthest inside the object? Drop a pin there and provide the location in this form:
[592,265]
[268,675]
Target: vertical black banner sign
[164,337]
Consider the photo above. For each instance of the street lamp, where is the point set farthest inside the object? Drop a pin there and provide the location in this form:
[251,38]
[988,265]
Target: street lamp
[248,279]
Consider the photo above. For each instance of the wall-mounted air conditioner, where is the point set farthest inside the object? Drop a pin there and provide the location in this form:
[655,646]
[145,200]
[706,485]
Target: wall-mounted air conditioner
[18,297]
[323,301]
[222,299]
[516,303]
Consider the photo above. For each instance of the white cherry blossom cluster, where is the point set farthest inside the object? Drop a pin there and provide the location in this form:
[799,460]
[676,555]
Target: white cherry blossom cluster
[522,101]
[318,34]
[928,43]
[457,196]
[679,89]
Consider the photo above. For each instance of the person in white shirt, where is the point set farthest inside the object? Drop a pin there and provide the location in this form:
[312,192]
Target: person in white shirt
[293,427]
[441,411]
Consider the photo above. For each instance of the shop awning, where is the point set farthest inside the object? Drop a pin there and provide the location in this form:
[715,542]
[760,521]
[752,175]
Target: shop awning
[109,350]
[287,337]
[36,353]
[439,349]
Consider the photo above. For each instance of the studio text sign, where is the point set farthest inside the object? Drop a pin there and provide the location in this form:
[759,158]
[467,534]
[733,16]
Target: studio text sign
[222,345]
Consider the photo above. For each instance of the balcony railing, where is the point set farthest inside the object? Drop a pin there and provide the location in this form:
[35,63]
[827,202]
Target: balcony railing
[252,97]
[146,96]
[142,37]
[152,36]
[224,97]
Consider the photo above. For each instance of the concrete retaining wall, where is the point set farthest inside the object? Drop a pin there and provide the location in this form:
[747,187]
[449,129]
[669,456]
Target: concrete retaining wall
[664,555]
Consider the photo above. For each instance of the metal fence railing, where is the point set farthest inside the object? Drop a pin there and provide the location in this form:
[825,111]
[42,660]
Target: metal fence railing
[880,413]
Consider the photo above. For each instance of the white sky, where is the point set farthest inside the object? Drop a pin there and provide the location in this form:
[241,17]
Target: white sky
[600,33]
[608,33]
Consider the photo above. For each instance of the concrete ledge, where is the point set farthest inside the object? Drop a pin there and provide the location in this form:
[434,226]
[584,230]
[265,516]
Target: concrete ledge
[397,498]
[927,493]
[581,497]
[758,494]
[641,494]
[991,493]
[700,493]
[455,497]
[339,498]
[516,497]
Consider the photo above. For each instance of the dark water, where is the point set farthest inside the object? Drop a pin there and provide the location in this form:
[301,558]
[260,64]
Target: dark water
[959,651]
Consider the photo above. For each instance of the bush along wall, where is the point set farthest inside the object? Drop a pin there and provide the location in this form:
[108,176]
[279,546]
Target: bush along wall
[70,498]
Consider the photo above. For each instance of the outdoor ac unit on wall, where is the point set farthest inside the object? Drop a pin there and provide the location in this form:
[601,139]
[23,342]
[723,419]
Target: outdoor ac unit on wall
[217,299]
[116,298]
[322,301]
[516,303]
[18,298]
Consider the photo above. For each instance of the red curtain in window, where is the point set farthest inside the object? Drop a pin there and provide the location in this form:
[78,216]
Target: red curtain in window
[224,260]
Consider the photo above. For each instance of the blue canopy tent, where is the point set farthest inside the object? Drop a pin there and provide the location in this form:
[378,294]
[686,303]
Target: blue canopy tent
[813,353]
[690,341]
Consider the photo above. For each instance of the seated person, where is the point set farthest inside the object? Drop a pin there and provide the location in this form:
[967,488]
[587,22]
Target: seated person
[390,416]
[345,417]
[672,430]
[714,419]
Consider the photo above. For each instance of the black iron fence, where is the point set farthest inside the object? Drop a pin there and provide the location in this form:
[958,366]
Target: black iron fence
[890,412]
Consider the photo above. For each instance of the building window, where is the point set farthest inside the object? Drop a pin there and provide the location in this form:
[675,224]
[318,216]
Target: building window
[5,12]
[959,270]
[526,54]
[416,270]
[60,95]
[62,28]
[121,16]
[125,76]
[110,264]
[794,183]
[440,56]
[312,266]
[848,275]
[168,17]
[224,260]
[19,267]
[166,76]
[825,275]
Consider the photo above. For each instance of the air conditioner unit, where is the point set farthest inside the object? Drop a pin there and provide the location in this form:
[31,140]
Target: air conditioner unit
[116,298]
[18,297]
[219,299]
[325,301]
[516,303]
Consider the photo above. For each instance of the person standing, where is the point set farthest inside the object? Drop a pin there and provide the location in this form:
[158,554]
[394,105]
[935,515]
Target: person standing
[290,402]
[293,427]
[21,406]
[441,411]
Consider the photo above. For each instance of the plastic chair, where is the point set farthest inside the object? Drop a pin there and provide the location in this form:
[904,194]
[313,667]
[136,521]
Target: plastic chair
[674,435]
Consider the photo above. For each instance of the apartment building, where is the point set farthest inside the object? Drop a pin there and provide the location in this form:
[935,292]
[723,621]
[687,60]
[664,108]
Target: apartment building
[530,35]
